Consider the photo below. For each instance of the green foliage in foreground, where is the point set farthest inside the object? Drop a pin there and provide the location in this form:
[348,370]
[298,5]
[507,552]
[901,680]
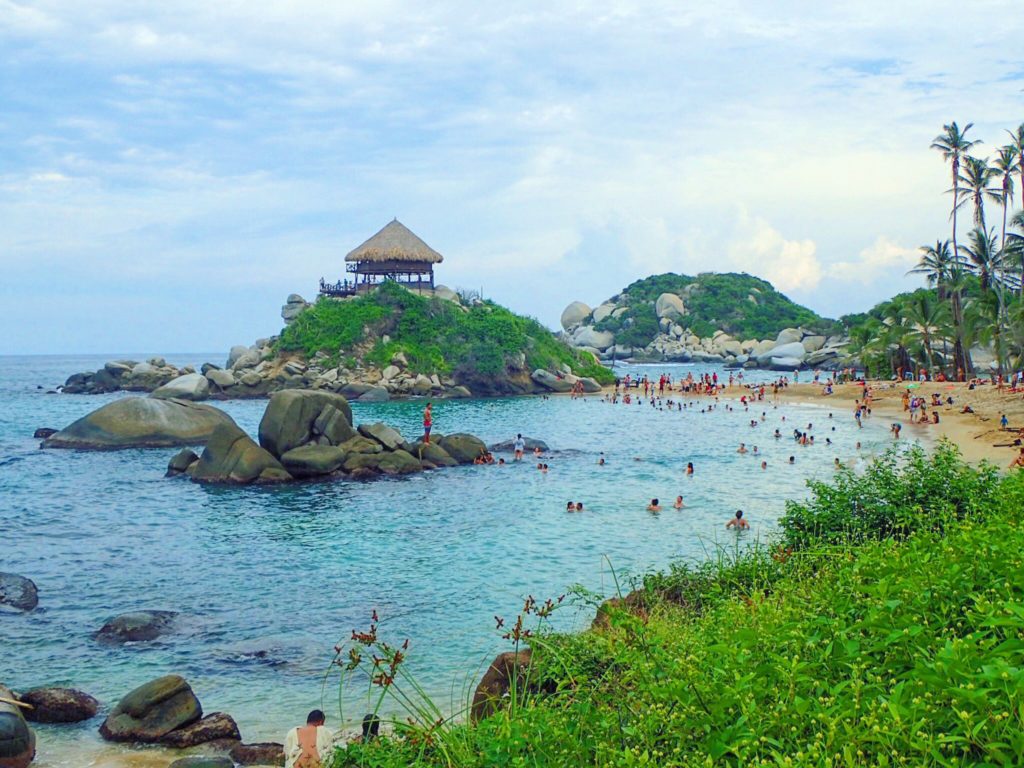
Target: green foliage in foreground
[896,645]
[436,336]
[739,304]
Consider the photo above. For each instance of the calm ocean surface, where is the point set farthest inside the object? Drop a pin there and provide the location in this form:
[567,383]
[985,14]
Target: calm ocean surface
[269,579]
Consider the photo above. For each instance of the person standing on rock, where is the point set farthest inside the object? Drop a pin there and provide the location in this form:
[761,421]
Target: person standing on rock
[309,745]
[519,446]
[428,422]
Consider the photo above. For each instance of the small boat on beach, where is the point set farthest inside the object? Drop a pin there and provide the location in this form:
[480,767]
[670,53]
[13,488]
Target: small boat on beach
[17,741]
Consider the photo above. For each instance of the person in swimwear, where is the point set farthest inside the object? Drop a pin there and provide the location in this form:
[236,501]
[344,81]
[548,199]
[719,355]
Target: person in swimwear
[428,422]
[689,467]
[738,522]
[678,503]
[654,506]
[309,745]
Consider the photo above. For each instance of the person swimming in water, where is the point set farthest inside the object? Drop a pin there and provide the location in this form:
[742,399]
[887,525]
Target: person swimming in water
[764,465]
[689,467]
[570,506]
[738,522]
[654,506]
[678,503]
[742,448]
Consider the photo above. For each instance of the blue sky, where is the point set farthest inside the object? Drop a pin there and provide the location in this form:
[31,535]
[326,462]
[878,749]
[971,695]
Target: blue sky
[170,171]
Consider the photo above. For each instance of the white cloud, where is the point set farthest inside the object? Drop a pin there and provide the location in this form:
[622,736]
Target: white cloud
[760,249]
[881,258]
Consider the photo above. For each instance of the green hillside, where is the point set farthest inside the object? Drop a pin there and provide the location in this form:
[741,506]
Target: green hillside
[739,304]
[478,344]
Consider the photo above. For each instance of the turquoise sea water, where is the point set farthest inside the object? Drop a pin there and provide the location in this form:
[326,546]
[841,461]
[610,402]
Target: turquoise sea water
[268,579]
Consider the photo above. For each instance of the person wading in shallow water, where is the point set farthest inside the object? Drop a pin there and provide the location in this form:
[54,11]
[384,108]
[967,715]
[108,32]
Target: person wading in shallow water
[307,746]
[428,422]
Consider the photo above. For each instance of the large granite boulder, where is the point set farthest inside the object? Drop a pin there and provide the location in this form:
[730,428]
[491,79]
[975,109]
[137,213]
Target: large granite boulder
[334,424]
[602,312]
[813,343]
[291,416]
[792,349]
[362,461]
[574,314]
[17,741]
[399,463]
[181,461]
[236,352]
[191,386]
[148,376]
[590,386]
[17,593]
[508,446]
[313,460]
[232,457]
[141,422]
[464,448]
[389,437]
[264,753]
[786,363]
[151,711]
[360,444]
[432,453]
[669,305]
[375,395]
[214,727]
[137,626]
[550,381]
[588,336]
[355,389]
[788,336]
[222,379]
[293,307]
[59,705]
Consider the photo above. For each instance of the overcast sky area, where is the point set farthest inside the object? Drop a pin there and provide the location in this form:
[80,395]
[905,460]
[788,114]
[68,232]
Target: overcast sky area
[170,172]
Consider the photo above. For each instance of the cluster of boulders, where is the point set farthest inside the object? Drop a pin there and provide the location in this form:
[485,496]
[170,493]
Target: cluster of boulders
[308,434]
[792,349]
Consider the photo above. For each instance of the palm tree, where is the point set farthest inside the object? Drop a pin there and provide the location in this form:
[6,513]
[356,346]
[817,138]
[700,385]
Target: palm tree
[928,319]
[1005,165]
[1017,142]
[985,322]
[984,258]
[954,145]
[977,178]
[934,264]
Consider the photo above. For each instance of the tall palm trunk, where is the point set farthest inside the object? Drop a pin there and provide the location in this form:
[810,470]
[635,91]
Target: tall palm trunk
[961,358]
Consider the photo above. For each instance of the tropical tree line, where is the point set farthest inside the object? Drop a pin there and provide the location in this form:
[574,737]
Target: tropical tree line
[975,296]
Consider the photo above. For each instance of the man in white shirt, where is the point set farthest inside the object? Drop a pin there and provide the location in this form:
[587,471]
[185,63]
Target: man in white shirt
[519,446]
[309,745]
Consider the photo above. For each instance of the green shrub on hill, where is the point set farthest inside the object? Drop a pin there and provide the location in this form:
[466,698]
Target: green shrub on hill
[893,640]
[436,336]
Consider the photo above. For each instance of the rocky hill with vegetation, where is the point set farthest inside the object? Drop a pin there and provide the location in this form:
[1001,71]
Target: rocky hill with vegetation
[387,343]
[711,317]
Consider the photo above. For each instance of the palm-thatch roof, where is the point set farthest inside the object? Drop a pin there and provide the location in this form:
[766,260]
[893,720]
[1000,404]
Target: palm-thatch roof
[395,243]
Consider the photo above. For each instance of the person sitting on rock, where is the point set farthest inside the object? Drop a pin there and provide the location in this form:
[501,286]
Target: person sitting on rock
[309,745]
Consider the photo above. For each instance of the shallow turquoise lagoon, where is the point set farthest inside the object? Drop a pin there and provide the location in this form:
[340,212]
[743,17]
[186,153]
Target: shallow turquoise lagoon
[269,579]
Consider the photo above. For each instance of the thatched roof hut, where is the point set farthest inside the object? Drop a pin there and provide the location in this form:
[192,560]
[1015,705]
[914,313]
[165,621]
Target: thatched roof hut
[394,243]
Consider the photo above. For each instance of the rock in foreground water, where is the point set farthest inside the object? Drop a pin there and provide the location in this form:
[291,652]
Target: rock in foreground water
[138,626]
[152,711]
[232,457]
[59,705]
[264,753]
[214,727]
[17,592]
[141,422]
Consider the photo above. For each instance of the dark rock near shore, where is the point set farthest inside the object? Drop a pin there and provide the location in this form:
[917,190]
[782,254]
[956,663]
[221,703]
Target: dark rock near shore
[363,461]
[375,395]
[151,711]
[59,705]
[360,444]
[181,461]
[17,741]
[434,454]
[232,457]
[17,592]
[496,684]
[399,463]
[141,422]
[214,727]
[44,432]
[508,446]
[137,626]
[387,436]
[203,762]
[265,753]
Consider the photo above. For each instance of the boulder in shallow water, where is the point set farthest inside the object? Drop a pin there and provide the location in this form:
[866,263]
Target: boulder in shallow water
[180,462]
[433,454]
[464,448]
[360,444]
[141,422]
[508,446]
[399,463]
[388,437]
[214,727]
[334,424]
[291,415]
[137,626]
[265,753]
[59,705]
[152,711]
[17,741]
[222,379]
[313,460]
[191,386]
[232,457]
[17,593]
[550,381]
[44,432]
[363,462]
[375,395]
